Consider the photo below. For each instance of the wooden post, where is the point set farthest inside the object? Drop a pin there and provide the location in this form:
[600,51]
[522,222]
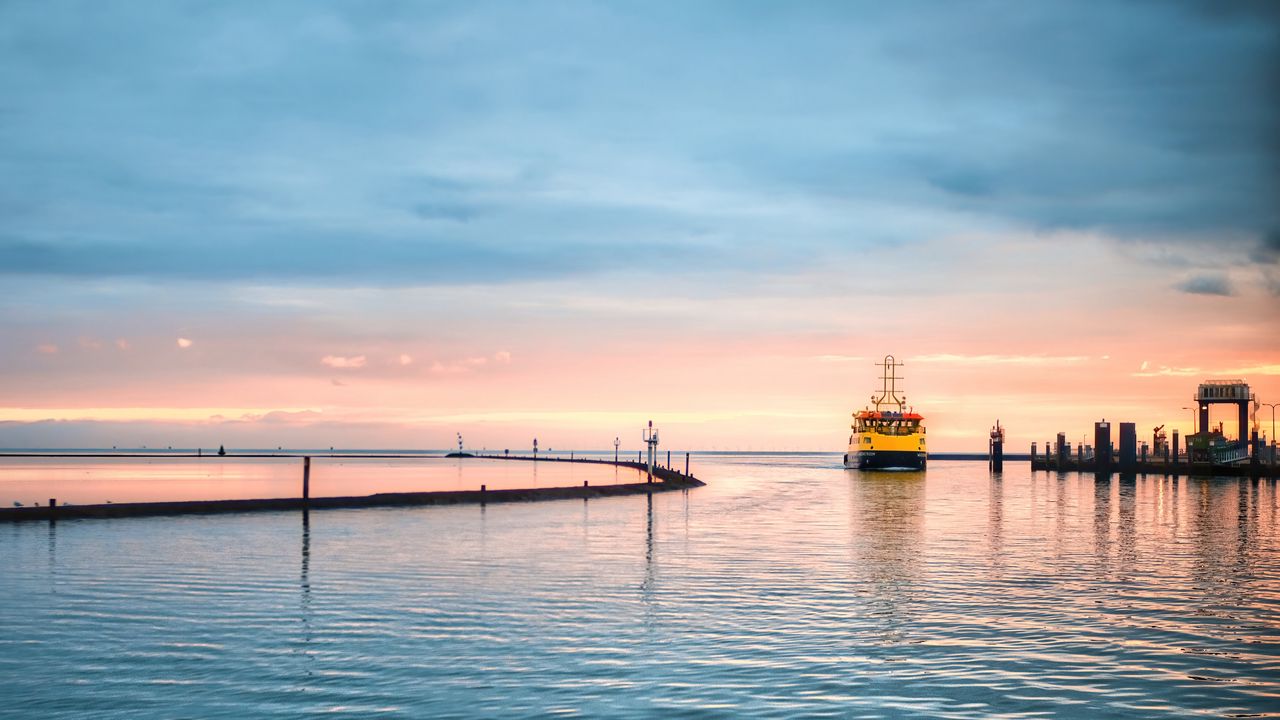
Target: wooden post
[584,483]
[668,459]
[306,479]
[686,464]
[53,507]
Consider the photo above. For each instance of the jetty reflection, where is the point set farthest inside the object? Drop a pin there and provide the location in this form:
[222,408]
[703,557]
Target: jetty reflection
[650,575]
[305,611]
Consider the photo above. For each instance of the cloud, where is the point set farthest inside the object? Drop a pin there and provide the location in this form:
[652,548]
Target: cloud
[1268,249]
[1266,369]
[406,359]
[950,359]
[463,156]
[47,349]
[502,357]
[1166,371]
[1242,371]
[287,416]
[122,344]
[1207,284]
[340,362]
[185,343]
[337,383]
[465,365]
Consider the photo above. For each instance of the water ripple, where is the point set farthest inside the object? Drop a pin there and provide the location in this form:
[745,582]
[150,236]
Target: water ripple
[787,587]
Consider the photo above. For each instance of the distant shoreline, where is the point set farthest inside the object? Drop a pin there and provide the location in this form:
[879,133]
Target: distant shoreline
[433,454]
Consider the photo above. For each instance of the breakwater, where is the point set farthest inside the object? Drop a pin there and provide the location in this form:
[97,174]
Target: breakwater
[663,480]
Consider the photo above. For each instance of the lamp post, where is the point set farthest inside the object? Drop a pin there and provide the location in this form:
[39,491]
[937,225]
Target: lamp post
[1273,425]
[1187,439]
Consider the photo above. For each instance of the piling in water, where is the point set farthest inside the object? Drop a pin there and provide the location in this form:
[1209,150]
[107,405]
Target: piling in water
[1128,446]
[1102,446]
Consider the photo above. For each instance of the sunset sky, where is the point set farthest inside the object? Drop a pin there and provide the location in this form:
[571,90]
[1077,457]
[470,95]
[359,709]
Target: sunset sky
[377,224]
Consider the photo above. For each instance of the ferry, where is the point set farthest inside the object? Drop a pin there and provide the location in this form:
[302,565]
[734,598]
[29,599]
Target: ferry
[890,435]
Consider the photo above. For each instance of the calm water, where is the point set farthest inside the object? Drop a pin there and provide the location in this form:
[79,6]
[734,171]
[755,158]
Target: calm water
[85,480]
[787,587]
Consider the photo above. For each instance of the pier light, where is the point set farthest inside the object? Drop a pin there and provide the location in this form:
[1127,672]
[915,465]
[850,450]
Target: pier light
[1273,421]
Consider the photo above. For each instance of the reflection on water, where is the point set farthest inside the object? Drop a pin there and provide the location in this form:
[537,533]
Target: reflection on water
[787,587]
[647,584]
[995,525]
[304,607]
[887,527]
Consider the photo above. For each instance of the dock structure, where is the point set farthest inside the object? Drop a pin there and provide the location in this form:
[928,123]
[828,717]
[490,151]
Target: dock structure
[660,479]
[1208,451]
[1102,457]
[1174,466]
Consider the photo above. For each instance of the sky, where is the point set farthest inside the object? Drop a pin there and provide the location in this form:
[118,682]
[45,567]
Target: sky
[379,224]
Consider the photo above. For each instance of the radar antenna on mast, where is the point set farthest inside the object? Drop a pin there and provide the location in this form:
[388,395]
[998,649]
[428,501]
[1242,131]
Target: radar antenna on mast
[889,388]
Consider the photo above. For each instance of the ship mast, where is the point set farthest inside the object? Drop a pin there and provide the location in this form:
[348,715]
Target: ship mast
[889,385]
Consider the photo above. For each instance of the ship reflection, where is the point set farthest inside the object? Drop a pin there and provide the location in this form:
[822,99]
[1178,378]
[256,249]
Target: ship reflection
[887,523]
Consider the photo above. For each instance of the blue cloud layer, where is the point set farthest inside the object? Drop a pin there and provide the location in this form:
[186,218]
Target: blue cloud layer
[473,142]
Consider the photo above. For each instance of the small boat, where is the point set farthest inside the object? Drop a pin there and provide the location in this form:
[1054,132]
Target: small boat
[890,435]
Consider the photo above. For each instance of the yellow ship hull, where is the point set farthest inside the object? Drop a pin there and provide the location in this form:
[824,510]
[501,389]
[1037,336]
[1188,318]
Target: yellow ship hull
[874,451]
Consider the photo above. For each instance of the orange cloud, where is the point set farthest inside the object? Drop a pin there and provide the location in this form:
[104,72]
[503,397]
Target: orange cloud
[345,363]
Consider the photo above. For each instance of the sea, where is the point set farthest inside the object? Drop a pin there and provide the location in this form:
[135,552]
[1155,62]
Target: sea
[786,587]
